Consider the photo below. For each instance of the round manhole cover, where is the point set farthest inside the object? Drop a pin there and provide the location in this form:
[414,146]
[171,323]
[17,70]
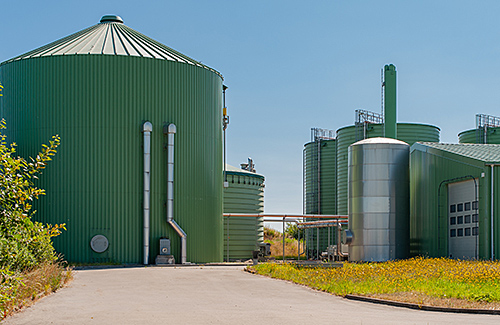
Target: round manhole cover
[99,243]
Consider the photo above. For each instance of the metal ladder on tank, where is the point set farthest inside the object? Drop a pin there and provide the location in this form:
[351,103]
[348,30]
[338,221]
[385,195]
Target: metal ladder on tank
[312,203]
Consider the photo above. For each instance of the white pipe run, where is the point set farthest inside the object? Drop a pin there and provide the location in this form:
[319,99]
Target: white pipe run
[147,128]
[170,131]
[492,211]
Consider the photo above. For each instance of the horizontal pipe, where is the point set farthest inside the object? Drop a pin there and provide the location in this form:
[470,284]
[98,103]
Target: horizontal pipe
[316,216]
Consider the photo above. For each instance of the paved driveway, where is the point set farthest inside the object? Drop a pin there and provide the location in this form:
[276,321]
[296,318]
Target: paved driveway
[211,295]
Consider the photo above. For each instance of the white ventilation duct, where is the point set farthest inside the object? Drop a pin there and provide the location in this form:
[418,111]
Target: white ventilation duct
[147,128]
[170,130]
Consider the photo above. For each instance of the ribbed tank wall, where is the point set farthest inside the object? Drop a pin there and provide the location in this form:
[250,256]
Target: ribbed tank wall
[345,137]
[245,194]
[320,188]
[97,104]
[407,132]
[492,136]
[412,132]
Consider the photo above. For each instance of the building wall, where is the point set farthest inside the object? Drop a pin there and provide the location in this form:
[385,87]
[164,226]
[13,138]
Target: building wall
[430,172]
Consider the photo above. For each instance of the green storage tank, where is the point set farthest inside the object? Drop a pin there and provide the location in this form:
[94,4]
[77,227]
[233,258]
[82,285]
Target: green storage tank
[407,132]
[320,189]
[320,186]
[244,194]
[96,88]
[492,136]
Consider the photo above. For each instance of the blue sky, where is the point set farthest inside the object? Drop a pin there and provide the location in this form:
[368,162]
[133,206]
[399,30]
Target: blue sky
[293,65]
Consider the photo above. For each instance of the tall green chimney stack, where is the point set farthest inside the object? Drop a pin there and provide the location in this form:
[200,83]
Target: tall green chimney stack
[389,85]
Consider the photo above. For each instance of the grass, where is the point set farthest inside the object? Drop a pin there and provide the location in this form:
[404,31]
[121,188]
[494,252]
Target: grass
[429,281]
[275,238]
[23,289]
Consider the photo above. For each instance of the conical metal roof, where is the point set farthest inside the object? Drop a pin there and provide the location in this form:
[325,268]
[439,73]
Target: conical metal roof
[110,37]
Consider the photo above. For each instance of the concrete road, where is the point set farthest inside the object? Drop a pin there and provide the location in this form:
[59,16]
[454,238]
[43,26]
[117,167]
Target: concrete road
[211,295]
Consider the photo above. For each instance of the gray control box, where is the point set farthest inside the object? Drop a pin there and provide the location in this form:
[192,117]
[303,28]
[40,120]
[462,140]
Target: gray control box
[165,246]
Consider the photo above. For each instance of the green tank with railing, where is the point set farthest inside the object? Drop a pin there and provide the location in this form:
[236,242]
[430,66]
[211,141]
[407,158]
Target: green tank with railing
[243,193]
[489,135]
[407,132]
[320,189]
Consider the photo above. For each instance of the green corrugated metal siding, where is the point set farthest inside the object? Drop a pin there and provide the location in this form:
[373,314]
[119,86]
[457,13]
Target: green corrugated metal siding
[412,132]
[327,178]
[245,194]
[429,167]
[345,137]
[407,132]
[477,136]
[486,153]
[326,193]
[97,104]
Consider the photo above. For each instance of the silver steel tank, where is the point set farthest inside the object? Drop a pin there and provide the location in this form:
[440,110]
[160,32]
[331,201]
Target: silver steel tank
[378,201]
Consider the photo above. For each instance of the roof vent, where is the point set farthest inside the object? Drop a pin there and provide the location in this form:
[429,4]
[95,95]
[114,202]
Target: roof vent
[111,19]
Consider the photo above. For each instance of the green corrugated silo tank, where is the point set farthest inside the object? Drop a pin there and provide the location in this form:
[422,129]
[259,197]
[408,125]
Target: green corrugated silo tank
[96,88]
[407,132]
[489,136]
[244,194]
[390,102]
[320,187]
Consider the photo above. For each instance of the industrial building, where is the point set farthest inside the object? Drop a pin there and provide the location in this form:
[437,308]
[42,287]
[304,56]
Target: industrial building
[140,176]
[453,200]
[435,200]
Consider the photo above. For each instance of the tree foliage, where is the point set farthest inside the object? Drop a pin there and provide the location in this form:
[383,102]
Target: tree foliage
[293,231]
[24,243]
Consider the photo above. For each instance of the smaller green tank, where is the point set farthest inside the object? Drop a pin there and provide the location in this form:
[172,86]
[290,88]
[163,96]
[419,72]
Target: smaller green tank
[244,194]
[491,136]
[320,189]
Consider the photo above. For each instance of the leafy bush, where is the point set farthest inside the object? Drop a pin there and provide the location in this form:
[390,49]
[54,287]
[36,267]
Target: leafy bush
[24,243]
[293,231]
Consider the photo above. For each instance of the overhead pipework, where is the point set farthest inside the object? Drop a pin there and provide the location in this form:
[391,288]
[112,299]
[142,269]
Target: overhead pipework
[147,128]
[390,101]
[170,131]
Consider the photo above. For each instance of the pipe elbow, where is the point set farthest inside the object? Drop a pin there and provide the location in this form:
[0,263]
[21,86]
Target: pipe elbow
[169,129]
[147,127]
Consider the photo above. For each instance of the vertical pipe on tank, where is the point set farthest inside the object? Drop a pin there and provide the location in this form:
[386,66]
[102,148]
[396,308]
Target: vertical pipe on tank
[492,211]
[170,130]
[147,128]
[390,118]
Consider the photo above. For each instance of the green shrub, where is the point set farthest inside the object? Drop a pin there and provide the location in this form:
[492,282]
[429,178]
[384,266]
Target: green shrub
[293,231]
[23,243]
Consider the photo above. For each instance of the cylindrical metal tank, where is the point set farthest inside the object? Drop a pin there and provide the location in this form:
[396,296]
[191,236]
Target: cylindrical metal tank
[379,203]
[244,194]
[95,89]
[320,189]
[320,186]
[407,132]
[492,136]
[345,137]
[415,132]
